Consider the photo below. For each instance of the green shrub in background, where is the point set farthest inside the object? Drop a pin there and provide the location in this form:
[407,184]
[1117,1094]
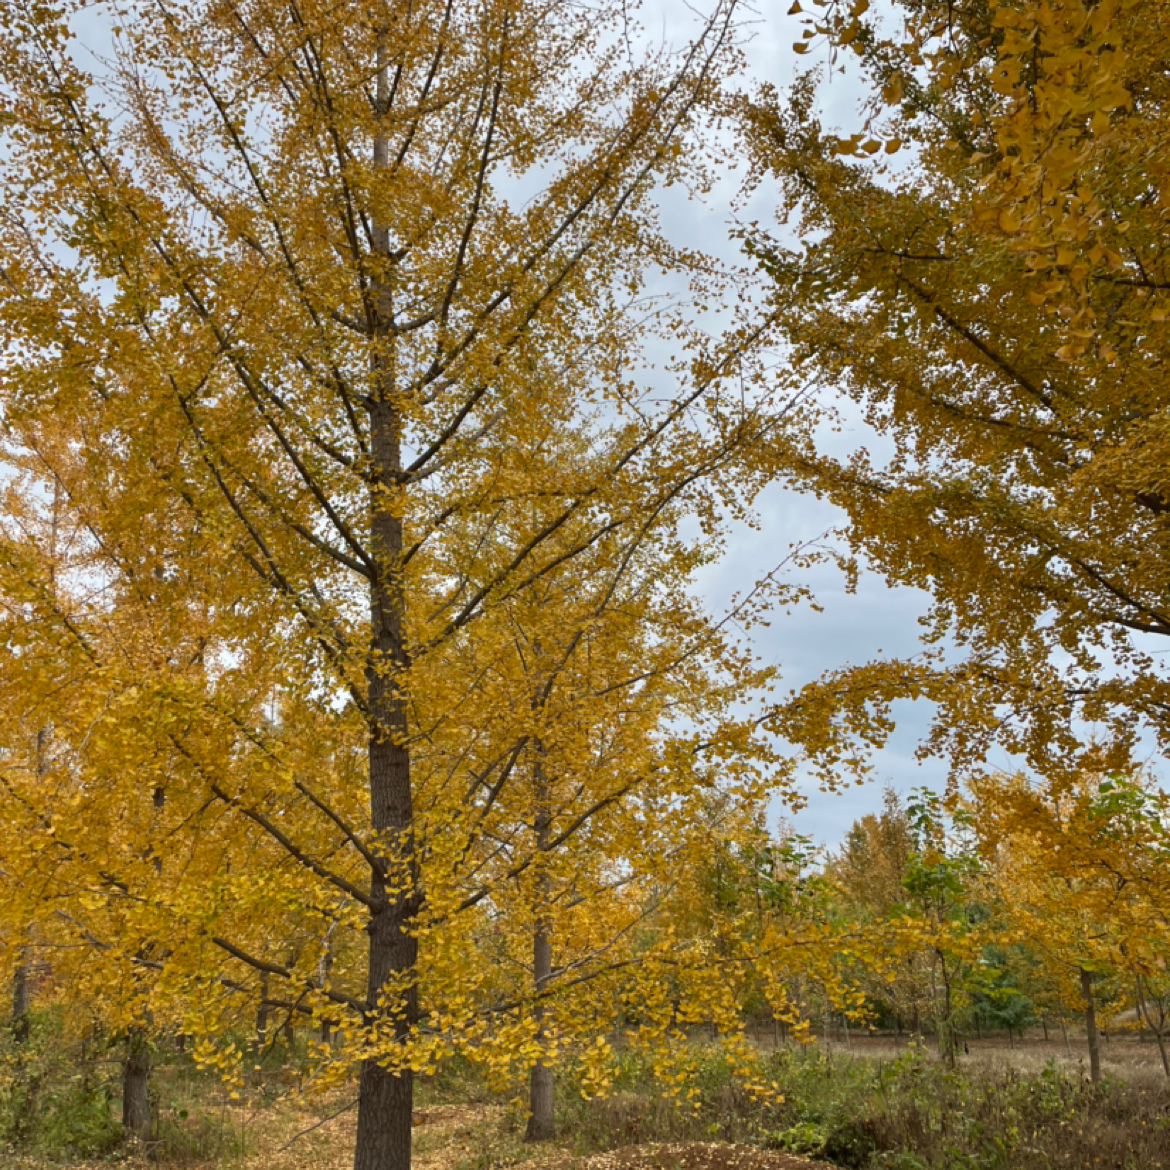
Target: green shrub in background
[856,1112]
[61,1098]
[56,1096]
[861,1113]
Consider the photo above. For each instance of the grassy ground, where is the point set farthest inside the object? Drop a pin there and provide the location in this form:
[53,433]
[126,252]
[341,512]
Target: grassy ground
[290,1135]
[875,1105]
[1126,1055]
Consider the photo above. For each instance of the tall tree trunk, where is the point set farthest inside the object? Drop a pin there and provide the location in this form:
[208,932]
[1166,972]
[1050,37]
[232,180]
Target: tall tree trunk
[20,999]
[136,1085]
[540,1080]
[323,969]
[1064,1033]
[1091,1027]
[947,1038]
[1044,1026]
[20,977]
[385,1094]
[262,1012]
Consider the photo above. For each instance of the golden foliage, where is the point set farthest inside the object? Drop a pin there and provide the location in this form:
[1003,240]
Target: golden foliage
[323,333]
[992,308]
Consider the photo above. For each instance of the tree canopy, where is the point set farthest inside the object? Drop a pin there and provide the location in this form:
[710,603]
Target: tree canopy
[327,331]
[986,293]
[353,668]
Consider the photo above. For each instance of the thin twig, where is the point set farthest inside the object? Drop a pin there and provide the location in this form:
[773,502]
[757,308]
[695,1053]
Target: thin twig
[317,1125]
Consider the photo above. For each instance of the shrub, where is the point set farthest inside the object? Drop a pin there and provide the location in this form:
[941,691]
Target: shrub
[54,1095]
[910,1113]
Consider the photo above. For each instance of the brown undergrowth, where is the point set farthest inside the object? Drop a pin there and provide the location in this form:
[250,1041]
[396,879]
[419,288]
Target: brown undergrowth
[865,1109]
[293,1134]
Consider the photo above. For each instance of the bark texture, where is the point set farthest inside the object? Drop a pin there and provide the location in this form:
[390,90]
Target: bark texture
[1091,1032]
[262,1012]
[136,1085]
[20,1000]
[1156,1023]
[385,1093]
[541,1125]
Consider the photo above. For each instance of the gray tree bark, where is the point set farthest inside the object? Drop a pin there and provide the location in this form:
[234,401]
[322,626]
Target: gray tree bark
[1091,1033]
[1158,1028]
[20,979]
[136,1085]
[20,999]
[385,1095]
[541,1123]
[262,1012]
[323,969]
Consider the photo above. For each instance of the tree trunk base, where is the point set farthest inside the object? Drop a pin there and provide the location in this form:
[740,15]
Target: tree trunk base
[136,1086]
[383,1131]
[541,1127]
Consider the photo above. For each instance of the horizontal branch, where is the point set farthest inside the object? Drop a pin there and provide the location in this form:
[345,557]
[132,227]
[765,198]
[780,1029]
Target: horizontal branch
[267,968]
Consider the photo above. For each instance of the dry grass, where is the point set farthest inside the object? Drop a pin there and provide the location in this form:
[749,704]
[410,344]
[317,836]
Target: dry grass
[682,1156]
[302,1134]
[1127,1056]
[477,1137]
[291,1136]
[457,1128]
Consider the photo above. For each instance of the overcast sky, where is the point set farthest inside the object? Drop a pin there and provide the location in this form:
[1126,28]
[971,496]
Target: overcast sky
[856,628]
[877,620]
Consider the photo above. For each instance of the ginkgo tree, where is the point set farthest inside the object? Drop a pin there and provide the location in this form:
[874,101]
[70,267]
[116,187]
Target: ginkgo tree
[92,793]
[598,738]
[587,706]
[287,289]
[983,283]
[1080,873]
[868,873]
[909,891]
